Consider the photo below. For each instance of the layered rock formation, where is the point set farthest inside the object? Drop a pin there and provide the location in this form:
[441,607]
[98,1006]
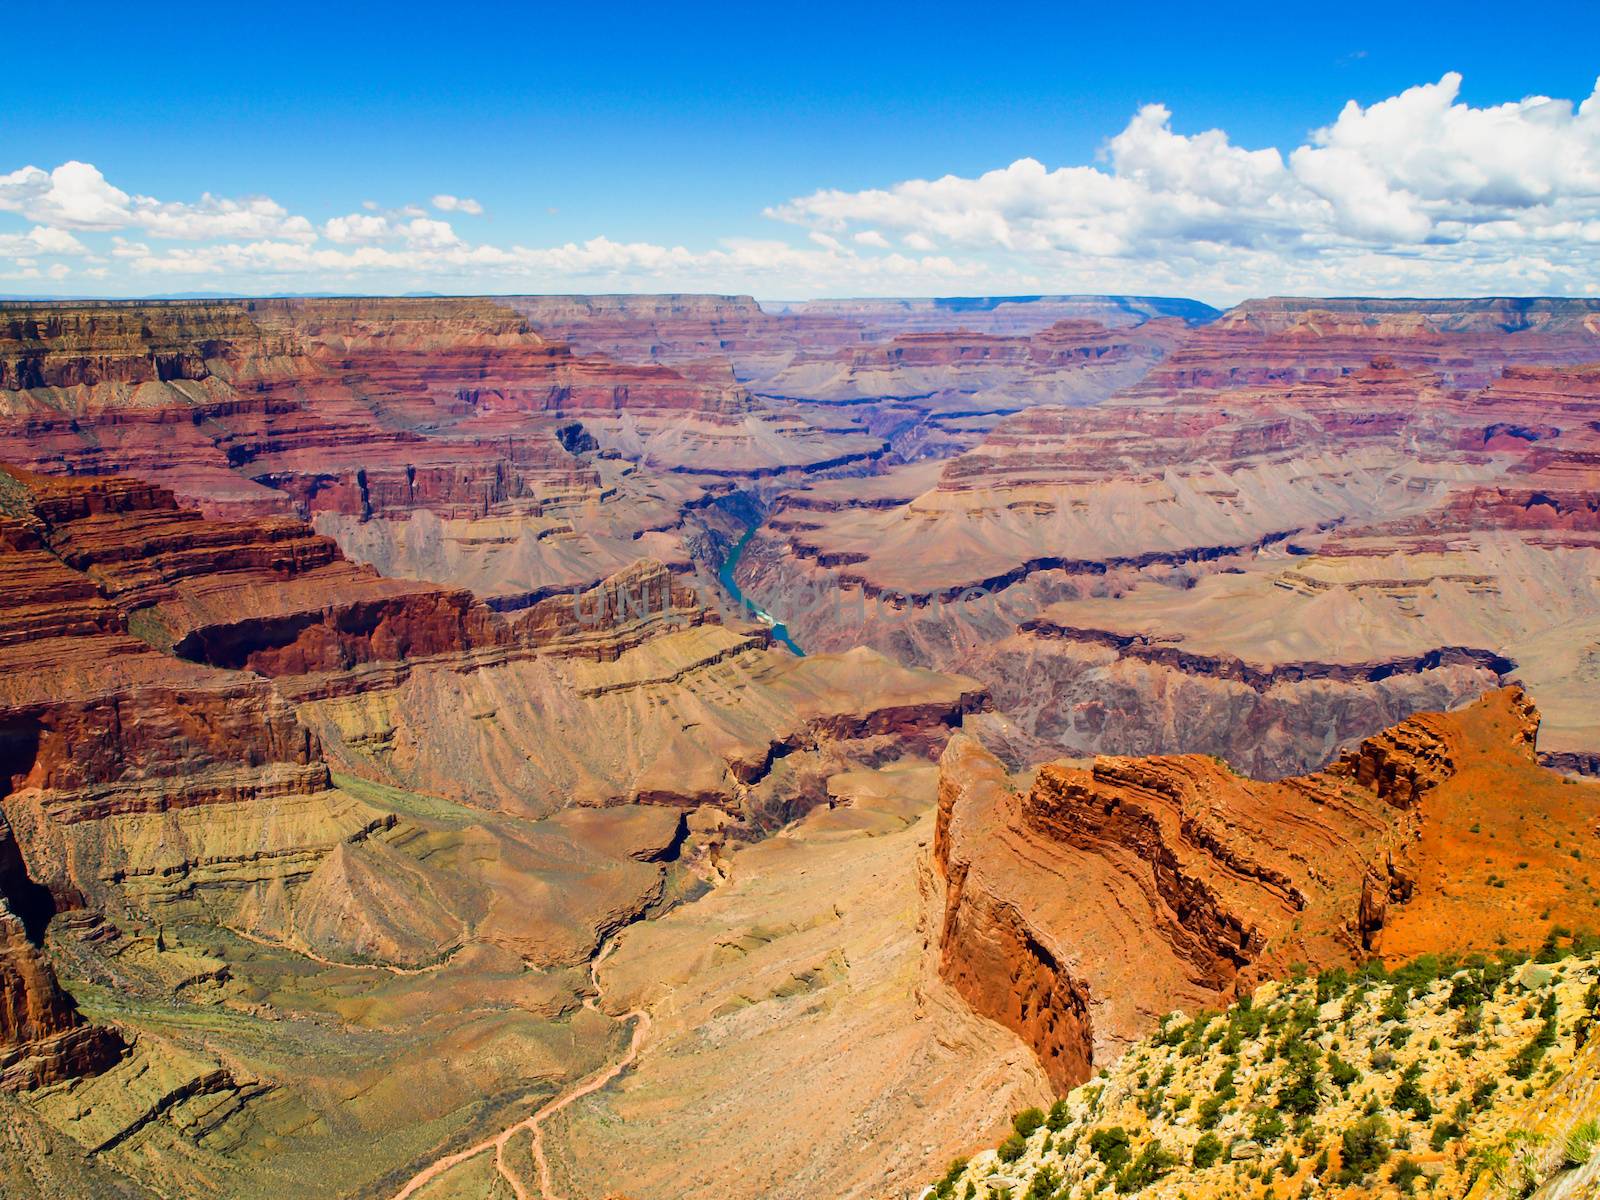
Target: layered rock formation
[1382,531]
[360,679]
[306,807]
[43,1038]
[926,376]
[437,439]
[1083,903]
[759,342]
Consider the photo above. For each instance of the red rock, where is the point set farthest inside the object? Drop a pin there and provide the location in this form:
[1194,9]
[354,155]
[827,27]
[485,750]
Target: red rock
[1082,906]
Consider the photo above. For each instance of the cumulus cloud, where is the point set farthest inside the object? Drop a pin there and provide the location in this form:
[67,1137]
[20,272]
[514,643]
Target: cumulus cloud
[41,240]
[405,226]
[1419,193]
[77,196]
[1445,190]
[356,228]
[462,204]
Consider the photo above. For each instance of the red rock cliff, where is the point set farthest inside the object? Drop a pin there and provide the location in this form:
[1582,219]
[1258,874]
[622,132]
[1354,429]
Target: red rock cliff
[1082,908]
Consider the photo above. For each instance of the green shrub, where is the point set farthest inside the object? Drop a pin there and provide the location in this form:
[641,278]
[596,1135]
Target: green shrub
[1394,1004]
[1110,1146]
[1332,984]
[1522,1066]
[1409,1096]
[1207,1151]
[1299,1094]
[1011,1149]
[1059,1116]
[1027,1122]
[1468,989]
[1045,1182]
[1341,1072]
[1267,1127]
[1153,1162]
[1444,1133]
[1364,1148]
[1405,1175]
[1580,1144]
[946,1187]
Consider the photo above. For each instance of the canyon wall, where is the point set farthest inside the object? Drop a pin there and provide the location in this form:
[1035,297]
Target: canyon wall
[1307,520]
[1086,902]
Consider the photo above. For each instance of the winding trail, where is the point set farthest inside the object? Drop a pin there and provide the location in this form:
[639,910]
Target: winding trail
[303,952]
[535,1124]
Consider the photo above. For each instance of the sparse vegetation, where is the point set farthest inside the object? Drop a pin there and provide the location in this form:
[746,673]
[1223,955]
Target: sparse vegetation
[1307,1080]
[1110,1146]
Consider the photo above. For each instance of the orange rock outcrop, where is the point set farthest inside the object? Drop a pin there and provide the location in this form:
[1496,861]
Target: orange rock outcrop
[1085,903]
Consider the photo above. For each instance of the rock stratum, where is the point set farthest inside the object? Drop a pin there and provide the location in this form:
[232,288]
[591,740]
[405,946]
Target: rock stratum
[1084,902]
[1309,520]
[393,803]
[325,854]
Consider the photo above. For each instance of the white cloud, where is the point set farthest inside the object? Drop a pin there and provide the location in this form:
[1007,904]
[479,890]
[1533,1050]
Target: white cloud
[1420,187]
[218,217]
[357,227]
[77,196]
[461,204]
[41,239]
[423,231]
[1418,193]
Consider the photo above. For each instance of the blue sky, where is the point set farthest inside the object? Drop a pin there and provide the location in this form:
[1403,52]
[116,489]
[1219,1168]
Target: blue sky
[698,131]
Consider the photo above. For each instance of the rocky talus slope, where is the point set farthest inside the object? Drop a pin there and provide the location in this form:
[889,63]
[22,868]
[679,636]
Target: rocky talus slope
[1445,1078]
[805,978]
[1086,899]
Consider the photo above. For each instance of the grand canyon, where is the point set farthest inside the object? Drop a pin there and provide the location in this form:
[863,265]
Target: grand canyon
[675,746]
[831,602]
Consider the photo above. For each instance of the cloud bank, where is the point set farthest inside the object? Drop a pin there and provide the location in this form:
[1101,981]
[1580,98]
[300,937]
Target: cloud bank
[1418,193]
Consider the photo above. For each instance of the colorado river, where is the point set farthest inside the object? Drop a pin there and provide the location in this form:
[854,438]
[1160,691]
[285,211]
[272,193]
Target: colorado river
[725,577]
